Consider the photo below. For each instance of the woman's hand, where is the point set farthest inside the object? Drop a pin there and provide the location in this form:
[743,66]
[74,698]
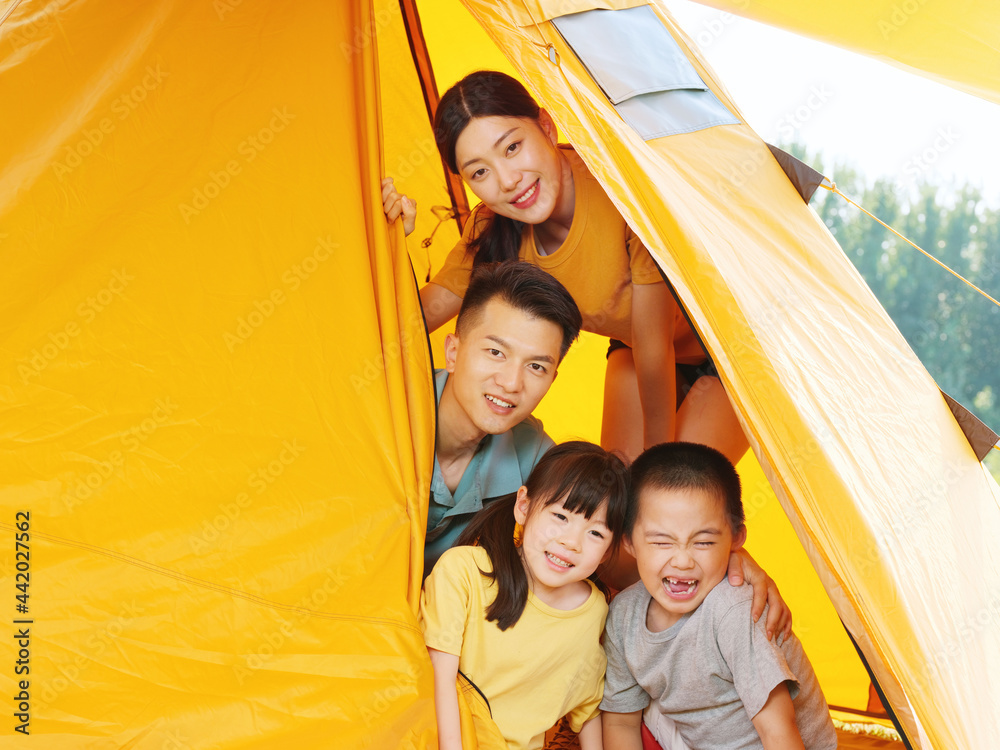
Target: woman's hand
[742,568]
[396,205]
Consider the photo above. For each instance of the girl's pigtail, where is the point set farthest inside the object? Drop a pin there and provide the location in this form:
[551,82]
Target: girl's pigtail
[493,529]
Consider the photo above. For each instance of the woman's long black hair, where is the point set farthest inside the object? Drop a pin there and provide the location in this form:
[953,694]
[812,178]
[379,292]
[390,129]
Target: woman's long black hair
[581,475]
[485,93]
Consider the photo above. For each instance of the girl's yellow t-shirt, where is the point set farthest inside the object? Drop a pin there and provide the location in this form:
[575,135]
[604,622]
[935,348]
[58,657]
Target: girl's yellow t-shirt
[550,664]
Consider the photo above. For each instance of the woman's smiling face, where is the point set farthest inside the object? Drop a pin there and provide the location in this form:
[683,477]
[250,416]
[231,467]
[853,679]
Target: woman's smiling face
[512,165]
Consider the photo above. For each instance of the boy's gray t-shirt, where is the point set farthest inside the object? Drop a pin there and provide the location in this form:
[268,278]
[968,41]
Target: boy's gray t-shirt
[710,672]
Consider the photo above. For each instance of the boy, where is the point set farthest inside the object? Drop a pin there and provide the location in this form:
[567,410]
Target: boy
[686,647]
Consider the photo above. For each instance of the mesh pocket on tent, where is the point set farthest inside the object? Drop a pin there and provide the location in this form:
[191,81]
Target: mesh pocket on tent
[643,71]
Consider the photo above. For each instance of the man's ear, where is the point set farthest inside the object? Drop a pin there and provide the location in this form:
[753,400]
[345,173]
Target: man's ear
[548,126]
[451,343]
[740,538]
[521,505]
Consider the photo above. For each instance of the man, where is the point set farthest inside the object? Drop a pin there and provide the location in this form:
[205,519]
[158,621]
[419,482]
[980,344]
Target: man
[515,325]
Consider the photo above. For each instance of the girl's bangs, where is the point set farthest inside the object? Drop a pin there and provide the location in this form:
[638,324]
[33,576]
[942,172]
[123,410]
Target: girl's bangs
[580,493]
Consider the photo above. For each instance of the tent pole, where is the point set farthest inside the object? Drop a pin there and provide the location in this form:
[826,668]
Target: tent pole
[881,695]
[425,72]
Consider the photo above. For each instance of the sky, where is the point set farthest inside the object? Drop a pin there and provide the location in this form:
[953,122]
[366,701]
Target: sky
[882,120]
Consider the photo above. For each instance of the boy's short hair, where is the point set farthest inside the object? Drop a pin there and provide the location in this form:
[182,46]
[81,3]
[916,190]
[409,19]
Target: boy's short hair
[685,466]
[526,288]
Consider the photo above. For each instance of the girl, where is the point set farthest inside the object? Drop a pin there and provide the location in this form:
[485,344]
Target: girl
[540,204]
[519,616]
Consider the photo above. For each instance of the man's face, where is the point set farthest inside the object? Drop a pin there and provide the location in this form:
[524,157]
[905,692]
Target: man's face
[502,366]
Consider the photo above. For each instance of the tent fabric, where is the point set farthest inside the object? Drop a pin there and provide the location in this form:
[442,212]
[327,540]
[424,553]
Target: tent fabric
[479,731]
[951,43]
[216,399]
[867,460]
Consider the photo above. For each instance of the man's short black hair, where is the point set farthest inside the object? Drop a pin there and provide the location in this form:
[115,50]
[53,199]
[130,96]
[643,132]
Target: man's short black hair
[526,288]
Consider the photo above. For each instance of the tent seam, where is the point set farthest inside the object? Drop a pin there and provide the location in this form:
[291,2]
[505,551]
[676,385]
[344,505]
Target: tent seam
[183,577]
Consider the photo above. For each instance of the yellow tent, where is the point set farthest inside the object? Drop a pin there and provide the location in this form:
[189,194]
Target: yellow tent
[217,407]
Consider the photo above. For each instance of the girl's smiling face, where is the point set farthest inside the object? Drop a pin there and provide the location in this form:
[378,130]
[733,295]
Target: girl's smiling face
[681,541]
[513,166]
[560,548]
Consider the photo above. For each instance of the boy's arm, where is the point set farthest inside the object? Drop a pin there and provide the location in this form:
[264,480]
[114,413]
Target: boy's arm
[449,723]
[590,736]
[622,731]
[775,722]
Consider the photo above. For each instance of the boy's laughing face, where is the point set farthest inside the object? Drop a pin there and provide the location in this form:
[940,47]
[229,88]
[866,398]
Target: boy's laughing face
[682,541]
